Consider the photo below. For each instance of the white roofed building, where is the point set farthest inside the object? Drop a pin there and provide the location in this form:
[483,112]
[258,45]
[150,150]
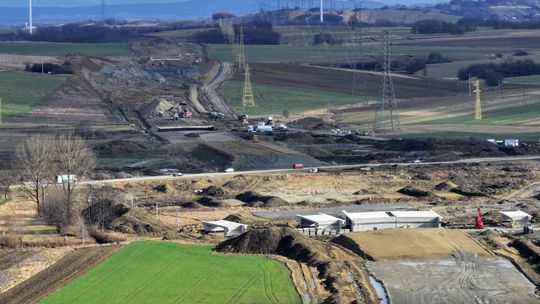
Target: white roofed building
[417,219]
[227,227]
[515,219]
[321,222]
[364,221]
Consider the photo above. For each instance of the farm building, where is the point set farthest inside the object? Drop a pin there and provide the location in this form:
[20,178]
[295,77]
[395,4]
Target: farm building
[417,219]
[364,221]
[227,227]
[320,222]
[515,219]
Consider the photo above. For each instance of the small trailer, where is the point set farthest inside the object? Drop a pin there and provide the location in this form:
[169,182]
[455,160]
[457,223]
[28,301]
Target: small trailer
[298,166]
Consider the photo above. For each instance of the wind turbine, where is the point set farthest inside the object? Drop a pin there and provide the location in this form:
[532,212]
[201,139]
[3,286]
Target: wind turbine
[30,26]
[321,13]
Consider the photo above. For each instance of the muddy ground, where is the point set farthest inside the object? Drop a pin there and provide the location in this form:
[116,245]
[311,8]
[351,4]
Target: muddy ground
[460,279]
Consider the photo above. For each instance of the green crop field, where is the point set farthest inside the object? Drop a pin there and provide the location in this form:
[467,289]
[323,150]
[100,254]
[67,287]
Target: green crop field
[338,53]
[273,100]
[511,115]
[20,90]
[60,49]
[533,79]
[160,272]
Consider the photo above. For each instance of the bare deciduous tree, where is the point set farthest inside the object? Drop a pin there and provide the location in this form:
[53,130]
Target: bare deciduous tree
[73,159]
[35,162]
[7,178]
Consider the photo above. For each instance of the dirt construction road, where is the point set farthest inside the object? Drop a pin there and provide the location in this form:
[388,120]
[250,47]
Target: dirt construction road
[210,96]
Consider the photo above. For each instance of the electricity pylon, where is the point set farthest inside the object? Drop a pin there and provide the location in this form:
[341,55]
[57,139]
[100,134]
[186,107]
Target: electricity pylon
[241,51]
[247,99]
[386,116]
[478,104]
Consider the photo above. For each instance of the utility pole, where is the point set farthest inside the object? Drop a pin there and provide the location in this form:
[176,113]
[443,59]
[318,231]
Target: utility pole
[386,116]
[0,110]
[470,90]
[157,211]
[478,104]
[42,69]
[177,219]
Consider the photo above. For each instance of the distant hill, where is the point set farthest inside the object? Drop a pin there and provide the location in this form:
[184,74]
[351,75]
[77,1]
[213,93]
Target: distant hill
[164,11]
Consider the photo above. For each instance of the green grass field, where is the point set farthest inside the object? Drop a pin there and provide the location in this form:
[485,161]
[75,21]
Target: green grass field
[337,53]
[60,49]
[20,90]
[533,79]
[511,115]
[273,100]
[160,272]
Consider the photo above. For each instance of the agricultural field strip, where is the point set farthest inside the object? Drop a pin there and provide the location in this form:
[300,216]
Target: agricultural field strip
[61,49]
[503,109]
[167,265]
[57,275]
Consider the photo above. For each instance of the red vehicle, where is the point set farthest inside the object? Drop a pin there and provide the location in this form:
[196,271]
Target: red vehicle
[298,166]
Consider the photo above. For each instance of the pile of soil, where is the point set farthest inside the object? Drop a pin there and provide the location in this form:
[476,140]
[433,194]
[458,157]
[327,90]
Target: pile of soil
[468,191]
[311,123]
[464,146]
[123,147]
[295,138]
[159,106]
[209,201]
[335,265]
[445,186]
[164,188]
[121,217]
[414,191]
[252,198]
[214,191]
[205,153]
[238,182]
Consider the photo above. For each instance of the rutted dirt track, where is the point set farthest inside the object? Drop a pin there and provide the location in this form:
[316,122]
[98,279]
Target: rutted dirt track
[64,271]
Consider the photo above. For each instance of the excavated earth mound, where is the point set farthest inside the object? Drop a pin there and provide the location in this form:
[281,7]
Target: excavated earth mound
[334,264]
[252,198]
[121,217]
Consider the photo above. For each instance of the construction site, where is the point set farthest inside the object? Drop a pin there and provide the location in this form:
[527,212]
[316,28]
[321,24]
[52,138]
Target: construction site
[298,172]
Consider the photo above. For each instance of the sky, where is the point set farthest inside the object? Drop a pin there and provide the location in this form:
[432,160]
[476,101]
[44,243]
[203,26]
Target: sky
[71,3]
[67,3]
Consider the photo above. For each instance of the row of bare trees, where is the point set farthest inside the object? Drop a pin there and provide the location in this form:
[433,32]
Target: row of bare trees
[37,162]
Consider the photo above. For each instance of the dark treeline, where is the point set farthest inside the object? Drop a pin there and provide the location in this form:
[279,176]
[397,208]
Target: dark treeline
[493,73]
[407,64]
[498,23]
[255,32]
[326,38]
[433,26]
[258,32]
[49,68]
[212,36]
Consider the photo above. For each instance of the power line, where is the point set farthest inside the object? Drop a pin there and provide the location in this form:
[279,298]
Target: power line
[386,116]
